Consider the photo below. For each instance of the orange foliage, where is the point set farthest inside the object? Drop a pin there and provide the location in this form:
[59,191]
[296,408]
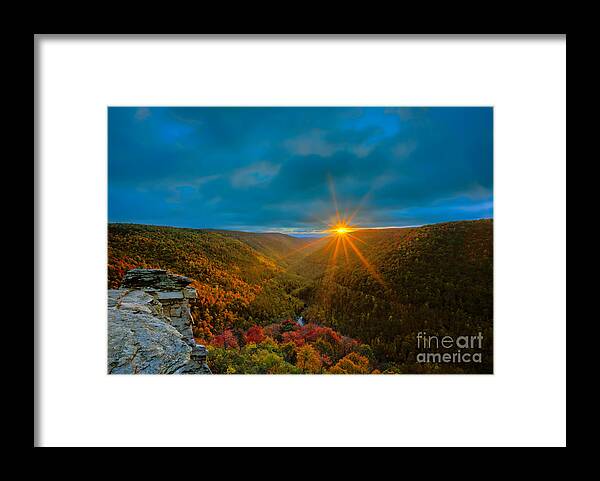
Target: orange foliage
[353,363]
[308,359]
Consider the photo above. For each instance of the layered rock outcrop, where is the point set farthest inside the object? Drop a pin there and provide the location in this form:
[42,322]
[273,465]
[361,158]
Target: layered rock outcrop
[150,326]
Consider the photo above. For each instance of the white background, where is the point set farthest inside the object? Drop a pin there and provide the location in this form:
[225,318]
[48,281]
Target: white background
[522,404]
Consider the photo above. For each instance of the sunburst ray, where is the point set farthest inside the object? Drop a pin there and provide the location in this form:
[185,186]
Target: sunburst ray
[367,264]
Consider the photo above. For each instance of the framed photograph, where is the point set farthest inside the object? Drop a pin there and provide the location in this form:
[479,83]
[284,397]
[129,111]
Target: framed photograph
[235,231]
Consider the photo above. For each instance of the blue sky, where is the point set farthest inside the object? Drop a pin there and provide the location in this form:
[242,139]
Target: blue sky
[274,169]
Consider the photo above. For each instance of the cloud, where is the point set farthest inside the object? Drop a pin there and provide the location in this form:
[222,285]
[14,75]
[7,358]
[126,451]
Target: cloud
[404,149]
[254,175]
[311,143]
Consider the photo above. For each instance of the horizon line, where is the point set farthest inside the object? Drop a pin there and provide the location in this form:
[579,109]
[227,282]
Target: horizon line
[311,233]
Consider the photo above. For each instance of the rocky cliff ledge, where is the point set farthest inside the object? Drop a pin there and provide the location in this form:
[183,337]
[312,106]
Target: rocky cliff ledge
[150,326]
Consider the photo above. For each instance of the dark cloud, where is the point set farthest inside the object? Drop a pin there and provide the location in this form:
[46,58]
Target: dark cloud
[273,168]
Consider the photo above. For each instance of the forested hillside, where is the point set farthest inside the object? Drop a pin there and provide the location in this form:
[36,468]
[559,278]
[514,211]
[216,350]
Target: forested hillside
[237,285]
[374,298]
[436,278]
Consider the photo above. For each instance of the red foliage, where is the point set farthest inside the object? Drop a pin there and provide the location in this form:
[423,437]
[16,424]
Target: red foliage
[226,340]
[309,334]
[312,332]
[292,336]
[255,335]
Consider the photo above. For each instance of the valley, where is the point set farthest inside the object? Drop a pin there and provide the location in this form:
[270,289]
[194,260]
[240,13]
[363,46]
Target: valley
[362,302]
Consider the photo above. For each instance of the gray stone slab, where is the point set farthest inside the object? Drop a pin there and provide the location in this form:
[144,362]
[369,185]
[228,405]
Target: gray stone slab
[170,295]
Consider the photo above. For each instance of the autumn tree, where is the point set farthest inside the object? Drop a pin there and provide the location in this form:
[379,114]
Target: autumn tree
[353,363]
[254,335]
[308,359]
[225,340]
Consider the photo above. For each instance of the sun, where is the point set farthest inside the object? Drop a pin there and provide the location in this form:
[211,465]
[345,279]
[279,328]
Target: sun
[341,230]
[339,237]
